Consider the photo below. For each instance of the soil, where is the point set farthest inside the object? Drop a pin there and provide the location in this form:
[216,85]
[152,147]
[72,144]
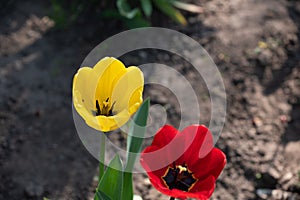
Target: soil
[256,46]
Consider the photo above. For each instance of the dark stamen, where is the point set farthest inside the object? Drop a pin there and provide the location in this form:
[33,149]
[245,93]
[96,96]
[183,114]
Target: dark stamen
[98,111]
[106,111]
[179,177]
[110,113]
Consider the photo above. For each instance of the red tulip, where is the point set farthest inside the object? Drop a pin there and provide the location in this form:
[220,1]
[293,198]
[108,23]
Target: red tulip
[183,164]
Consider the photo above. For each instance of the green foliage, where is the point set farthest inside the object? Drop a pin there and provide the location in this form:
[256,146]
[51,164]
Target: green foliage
[146,7]
[135,140]
[165,6]
[115,182]
[133,13]
[127,187]
[125,10]
[136,134]
[101,196]
[112,181]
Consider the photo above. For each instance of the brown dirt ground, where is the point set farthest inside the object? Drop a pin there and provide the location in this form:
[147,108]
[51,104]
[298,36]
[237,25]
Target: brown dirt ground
[40,152]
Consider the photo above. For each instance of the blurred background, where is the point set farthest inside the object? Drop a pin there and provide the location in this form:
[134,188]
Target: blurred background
[254,43]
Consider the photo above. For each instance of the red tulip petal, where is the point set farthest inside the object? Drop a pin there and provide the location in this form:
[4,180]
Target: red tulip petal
[193,147]
[203,189]
[200,140]
[147,160]
[160,155]
[212,164]
[164,136]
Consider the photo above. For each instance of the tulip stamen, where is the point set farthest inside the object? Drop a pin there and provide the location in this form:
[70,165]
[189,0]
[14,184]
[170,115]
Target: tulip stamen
[107,108]
[98,112]
[179,177]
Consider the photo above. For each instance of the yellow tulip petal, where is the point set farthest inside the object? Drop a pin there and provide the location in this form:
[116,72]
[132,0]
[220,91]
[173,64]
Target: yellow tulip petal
[106,77]
[86,81]
[83,87]
[82,97]
[136,100]
[86,114]
[117,90]
[113,122]
[127,90]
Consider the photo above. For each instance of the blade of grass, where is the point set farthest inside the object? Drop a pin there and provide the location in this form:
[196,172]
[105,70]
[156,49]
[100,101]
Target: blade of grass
[125,10]
[167,8]
[147,7]
[188,7]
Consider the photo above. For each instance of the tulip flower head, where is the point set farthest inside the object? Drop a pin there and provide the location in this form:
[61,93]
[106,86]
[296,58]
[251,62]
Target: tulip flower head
[183,164]
[106,95]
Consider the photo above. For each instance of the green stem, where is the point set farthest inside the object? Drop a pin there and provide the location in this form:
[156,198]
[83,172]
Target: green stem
[172,198]
[102,156]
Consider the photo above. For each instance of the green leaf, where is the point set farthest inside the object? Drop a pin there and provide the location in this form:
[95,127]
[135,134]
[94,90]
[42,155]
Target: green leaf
[136,22]
[125,10]
[112,181]
[101,196]
[134,143]
[167,8]
[136,134]
[127,186]
[147,7]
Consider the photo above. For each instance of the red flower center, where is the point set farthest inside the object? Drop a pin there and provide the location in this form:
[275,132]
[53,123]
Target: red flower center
[179,177]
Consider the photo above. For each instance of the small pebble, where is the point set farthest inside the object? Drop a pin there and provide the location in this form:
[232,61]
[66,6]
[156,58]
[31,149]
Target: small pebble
[257,121]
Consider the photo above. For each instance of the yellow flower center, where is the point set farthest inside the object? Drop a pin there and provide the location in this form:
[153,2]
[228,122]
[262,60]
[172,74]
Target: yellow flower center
[106,108]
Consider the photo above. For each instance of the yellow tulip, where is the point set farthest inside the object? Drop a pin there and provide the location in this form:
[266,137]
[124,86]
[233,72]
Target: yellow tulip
[106,95]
